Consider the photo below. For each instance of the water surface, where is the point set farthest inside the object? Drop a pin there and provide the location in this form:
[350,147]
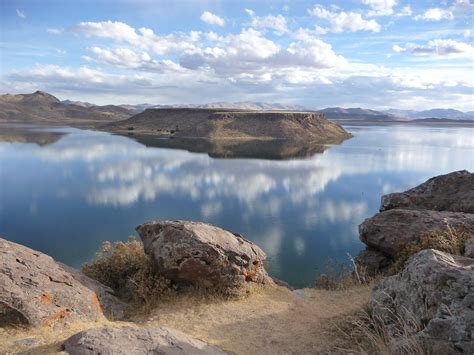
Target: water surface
[68,190]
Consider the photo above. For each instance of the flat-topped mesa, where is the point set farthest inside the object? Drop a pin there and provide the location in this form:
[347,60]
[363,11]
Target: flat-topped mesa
[234,124]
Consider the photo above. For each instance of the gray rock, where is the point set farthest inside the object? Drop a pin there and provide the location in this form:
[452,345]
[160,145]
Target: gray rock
[391,231]
[194,253]
[35,290]
[113,308]
[133,341]
[434,295]
[372,262]
[469,248]
[451,192]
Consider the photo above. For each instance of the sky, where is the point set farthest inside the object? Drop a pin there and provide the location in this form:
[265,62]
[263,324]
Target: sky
[377,54]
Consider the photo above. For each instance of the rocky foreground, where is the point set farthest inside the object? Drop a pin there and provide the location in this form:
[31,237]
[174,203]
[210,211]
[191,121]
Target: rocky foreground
[233,124]
[431,300]
[427,306]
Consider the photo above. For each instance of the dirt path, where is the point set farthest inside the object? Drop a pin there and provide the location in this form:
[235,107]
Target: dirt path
[271,321]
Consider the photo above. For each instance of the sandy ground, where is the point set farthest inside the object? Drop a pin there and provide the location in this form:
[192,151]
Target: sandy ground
[270,321]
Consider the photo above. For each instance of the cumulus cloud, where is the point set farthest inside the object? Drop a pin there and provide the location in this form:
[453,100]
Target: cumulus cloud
[127,58]
[276,23]
[435,14]
[143,38]
[380,7]
[212,19]
[344,21]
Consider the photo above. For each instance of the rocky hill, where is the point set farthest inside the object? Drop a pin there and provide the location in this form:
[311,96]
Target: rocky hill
[233,124]
[41,107]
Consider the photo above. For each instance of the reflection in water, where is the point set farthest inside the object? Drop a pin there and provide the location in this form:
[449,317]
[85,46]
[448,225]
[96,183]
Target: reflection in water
[19,133]
[91,186]
[276,149]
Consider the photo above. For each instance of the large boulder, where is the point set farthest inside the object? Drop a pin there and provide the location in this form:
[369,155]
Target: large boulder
[451,192]
[391,231]
[433,300]
[194,253]
[35,290]
[133,341]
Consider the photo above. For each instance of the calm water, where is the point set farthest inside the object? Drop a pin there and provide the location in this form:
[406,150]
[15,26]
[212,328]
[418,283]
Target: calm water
[74,189]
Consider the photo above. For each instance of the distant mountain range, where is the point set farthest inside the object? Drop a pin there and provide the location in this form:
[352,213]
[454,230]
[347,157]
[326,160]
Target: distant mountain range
[43,107]
[337,113]
[448,113]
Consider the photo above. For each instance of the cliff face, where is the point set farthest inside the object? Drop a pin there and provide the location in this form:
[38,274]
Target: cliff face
[233,124]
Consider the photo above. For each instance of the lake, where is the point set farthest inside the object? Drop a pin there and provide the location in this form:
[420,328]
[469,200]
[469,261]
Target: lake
[64,191]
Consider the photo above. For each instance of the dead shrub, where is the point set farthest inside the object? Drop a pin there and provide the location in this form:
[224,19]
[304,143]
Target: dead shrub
[449,241]
[124,267]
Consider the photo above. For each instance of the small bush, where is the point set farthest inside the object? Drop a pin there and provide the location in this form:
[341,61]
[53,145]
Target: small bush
[449,241]
[130,128]
[124,267]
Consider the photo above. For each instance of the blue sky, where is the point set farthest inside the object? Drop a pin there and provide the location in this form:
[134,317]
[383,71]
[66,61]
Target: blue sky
[378,54]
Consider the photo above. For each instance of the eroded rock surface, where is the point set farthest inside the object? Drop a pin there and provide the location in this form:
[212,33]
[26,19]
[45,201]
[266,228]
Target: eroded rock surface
[435,294]
[391,231]
[200,254]
[133,341]
[37,291]
[451,192]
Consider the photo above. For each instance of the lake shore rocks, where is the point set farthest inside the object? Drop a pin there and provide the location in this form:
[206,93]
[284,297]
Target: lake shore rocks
[199,254]
[389,232]
[135,341]
[439,205]
[432,298]
[451,192]
[37,291]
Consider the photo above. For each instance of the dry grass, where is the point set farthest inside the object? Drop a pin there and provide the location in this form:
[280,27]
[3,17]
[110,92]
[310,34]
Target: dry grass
[131,273]
[344,277]
[449,241]
[366,333]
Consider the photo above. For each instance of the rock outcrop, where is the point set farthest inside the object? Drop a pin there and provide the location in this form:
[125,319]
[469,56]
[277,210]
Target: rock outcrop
[451,192]
[389,232]
[133,341]
[194,253]
[439,205]
[37,291]
[434,299]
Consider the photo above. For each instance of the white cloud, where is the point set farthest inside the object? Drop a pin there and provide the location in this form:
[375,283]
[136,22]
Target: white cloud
[397,49]
[435,14]
[144,38]
[440,47]
[344,21]
[380,7]
[212,19]
[127,58]
[276,23]
[20,14]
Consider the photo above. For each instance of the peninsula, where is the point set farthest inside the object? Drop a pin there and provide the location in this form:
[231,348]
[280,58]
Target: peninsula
[232,124]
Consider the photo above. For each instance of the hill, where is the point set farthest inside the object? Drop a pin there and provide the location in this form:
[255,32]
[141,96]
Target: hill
[357,114]
[232,124]
[41,107]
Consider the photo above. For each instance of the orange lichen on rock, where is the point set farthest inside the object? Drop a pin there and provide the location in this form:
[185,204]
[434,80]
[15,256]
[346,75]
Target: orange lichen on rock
[55,317]
[46,298]
[96,303]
